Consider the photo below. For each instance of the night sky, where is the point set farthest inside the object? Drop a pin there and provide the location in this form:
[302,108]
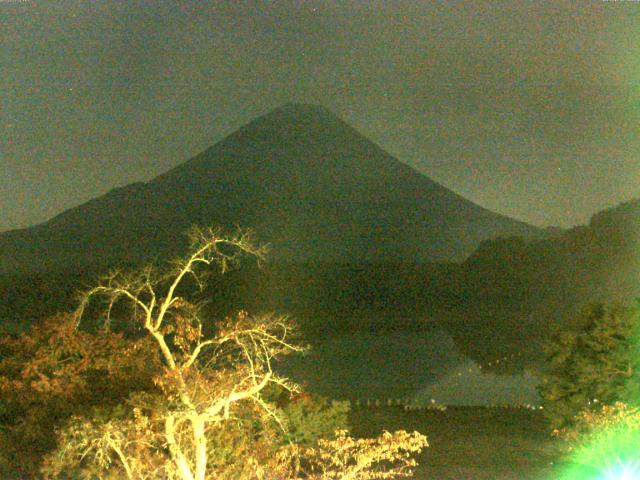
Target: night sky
[531,109]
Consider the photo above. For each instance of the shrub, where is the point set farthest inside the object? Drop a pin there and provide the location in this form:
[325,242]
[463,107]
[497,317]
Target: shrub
[309,419]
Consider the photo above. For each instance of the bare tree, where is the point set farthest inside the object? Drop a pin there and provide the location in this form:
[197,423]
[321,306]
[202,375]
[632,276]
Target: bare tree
[204,377]
[209,380]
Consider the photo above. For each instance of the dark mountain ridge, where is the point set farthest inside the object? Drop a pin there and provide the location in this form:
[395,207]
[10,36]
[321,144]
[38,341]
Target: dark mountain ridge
[511,295]
[305,181]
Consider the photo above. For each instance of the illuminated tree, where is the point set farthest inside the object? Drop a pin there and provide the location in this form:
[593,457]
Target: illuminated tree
[208,414]
[54,371]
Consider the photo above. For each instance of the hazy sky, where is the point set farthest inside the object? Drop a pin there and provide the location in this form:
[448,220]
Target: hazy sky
[529,108]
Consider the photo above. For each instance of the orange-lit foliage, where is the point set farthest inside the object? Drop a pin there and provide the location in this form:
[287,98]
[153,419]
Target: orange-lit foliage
[388,456]
[55,370]
[588,422]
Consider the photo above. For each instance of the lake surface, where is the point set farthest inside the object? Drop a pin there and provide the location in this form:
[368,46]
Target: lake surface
[414,366]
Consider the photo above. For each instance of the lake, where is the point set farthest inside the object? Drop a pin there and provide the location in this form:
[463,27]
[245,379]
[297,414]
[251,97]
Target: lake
[414,366]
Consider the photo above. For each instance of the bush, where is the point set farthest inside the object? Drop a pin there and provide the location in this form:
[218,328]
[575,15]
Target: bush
[311,419]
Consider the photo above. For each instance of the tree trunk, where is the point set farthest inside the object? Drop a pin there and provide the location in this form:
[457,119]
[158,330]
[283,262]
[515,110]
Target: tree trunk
[200,441]
[177,456]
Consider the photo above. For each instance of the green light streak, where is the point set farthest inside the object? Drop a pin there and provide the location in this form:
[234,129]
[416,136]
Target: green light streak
[609,446]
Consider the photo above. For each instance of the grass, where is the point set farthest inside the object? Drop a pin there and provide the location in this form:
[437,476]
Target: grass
[470,443]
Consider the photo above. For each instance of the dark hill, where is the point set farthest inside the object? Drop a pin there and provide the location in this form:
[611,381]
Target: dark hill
[510,294]
[307,182]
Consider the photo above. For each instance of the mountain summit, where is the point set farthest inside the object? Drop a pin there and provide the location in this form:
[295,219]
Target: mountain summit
[304,180]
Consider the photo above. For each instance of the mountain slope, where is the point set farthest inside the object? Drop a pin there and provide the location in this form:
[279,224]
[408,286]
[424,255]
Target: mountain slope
[308,183]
